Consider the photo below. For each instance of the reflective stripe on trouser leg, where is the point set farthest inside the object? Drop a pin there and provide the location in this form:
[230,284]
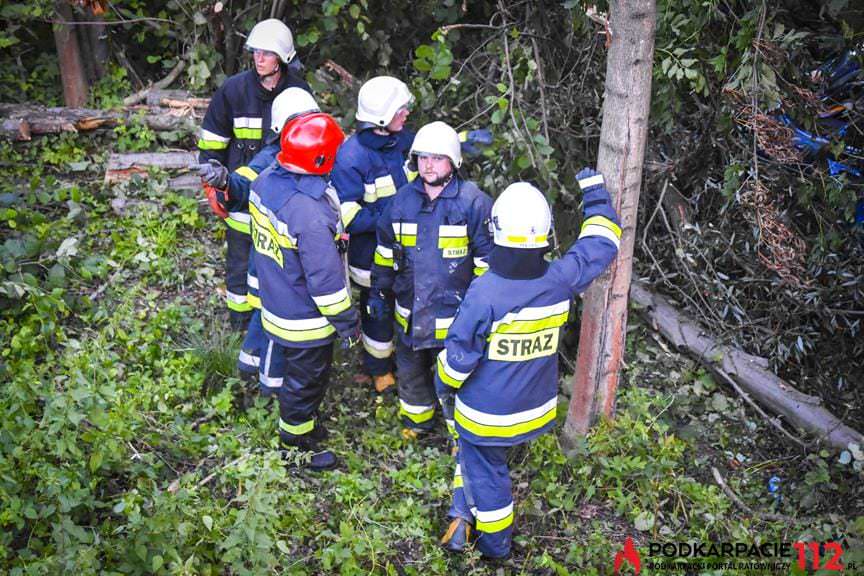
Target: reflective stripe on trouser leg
[253,347]
[271,370]
[377,358]
[486,483]
[417,398]
[236,266]
[305,374]
[461,506]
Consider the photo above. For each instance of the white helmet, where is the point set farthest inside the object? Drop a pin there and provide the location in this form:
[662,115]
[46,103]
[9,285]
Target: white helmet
[290,103]
[274,36]
[437,138]
[380,98]
[521,217]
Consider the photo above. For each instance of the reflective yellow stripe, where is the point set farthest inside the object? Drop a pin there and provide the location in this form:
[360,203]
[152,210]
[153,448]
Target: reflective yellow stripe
[441,327]
[239,306]
[377,349]
[496,520]
[505,425]
[457,477]
[401,314]
[532,319]
[247,173]
[453,242]
[539,239]
[601,226]
[417,414]
[463,136]
[297,429]
[238,225]
[530,326]
[332,304]
[262,221]
[411,175]
[296,330]
[448,374]
[248,133]
[480,266]
[384,256]
[349,212]
[406,233]
[253,301]
[211,144]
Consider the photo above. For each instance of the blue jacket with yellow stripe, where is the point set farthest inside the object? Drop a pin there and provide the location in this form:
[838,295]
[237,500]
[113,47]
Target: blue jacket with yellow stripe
[236,123]
[305,300]
[444,244]
[500,355]
[369,169]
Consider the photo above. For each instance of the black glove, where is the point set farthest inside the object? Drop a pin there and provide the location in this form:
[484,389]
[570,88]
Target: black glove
[350,340]
[377,306]
[214,173]
[473,141]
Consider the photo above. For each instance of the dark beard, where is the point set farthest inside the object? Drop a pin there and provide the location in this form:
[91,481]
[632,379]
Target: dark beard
[438,181]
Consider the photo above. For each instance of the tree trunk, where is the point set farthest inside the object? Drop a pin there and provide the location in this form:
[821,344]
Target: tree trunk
[626,106]
[72,72]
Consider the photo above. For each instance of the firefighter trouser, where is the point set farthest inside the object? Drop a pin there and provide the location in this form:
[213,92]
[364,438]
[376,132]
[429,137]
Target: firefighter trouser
[304,374]
[417,398]
[482,496]
[236,266]
[377,339]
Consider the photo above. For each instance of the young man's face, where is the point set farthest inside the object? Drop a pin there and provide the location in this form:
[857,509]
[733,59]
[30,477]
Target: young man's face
[434,169]
[398,121]
[266,62]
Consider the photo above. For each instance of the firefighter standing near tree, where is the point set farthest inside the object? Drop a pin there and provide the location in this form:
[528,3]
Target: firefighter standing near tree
[233,132]
[498,371]
[432,239]
[290,103]
[305,299]
[369,168]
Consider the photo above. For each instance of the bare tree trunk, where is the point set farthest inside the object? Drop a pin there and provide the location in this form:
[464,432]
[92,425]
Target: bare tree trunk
[72,71]
[626,106]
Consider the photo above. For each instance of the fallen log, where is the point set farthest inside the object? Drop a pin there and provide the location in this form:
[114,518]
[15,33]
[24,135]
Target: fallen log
[122,167]
[22,121]
[750,372]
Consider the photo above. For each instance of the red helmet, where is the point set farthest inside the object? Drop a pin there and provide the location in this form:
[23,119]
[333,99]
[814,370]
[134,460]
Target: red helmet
[309,143]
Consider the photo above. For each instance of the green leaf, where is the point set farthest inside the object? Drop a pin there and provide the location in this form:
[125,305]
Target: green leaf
[644,521]
[354,10]
[95,461]
[208,522]
[156,563]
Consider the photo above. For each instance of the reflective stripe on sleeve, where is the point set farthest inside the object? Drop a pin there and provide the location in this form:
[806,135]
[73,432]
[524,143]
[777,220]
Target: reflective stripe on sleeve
[401,314]
[480,266]
[360,277]
[212,141]
[601,226]
[441,327]
[237,302]
[406,233]
[384,256]
[349,212]
[448,374]
[247,173]
[239,221]
[334,303]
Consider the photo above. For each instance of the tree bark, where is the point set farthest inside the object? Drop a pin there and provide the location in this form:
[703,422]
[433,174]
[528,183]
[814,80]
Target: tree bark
[72,74]
[21,122]
[750,372]
[627,100]
[122,167]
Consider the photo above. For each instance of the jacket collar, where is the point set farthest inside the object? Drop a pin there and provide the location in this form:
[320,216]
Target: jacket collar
[450,191]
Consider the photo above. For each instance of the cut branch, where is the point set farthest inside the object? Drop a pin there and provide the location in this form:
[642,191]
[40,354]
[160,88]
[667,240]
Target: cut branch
[751,373]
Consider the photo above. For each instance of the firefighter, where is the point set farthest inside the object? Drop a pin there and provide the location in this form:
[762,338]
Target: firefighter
[498,370]
[305,298]
[232,134]
[369,168]
[291,103]
[433,239]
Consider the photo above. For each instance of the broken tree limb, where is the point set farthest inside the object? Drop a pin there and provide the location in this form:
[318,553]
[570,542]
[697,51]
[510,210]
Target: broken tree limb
[163,83]
[122,167]
[750,372]
[21,121]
